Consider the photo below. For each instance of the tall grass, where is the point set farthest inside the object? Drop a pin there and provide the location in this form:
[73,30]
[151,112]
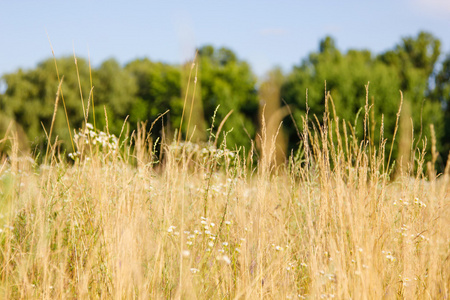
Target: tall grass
[202,221]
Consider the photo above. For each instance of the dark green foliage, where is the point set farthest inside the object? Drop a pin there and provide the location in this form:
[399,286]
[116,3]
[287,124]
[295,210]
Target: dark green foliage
[115,88]
[141,90]
[230,83]
[158,89]
[442,94]
[144,89]
[30,98]
[407,68]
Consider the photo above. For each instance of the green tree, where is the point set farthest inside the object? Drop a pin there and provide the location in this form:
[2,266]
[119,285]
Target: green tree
[345,77]
[406,68]
[230,83]
[414,58]
[30,98]
[415,62]
[442,94]
[158,89]
[116,88]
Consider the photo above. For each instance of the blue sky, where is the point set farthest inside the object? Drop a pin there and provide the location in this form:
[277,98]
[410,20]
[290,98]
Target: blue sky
[265,33]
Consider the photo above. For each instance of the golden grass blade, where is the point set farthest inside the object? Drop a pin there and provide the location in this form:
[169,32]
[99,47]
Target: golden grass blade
[49,141]
[62,94]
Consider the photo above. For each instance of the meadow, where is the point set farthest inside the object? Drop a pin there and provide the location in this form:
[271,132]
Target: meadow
[130,217]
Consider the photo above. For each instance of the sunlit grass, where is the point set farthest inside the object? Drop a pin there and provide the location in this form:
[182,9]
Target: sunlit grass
[129,217]
[211,223]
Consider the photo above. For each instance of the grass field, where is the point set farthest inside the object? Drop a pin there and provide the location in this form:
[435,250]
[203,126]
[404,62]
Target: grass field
[205,222]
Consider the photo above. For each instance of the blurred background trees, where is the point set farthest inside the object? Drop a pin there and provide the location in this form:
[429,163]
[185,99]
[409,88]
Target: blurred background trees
[230,83]
[29,99]
[441,94]
[408,68]
[143,89]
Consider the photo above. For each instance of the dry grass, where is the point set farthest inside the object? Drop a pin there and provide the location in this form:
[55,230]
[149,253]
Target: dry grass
[208,223]
[201,222]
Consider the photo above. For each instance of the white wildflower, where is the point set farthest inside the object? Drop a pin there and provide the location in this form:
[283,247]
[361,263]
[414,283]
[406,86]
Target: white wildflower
[226,259]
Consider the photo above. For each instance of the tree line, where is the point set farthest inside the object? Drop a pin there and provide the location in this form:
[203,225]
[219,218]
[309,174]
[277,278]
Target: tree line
[144,89]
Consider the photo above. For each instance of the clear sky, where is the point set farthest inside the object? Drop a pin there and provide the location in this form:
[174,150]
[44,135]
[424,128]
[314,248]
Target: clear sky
[265,33]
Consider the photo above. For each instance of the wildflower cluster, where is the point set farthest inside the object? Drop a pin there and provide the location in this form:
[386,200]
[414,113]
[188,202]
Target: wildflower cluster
[202,151]
[406,203]
[93,139]
[205,240]
[389,256]
[419,203]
